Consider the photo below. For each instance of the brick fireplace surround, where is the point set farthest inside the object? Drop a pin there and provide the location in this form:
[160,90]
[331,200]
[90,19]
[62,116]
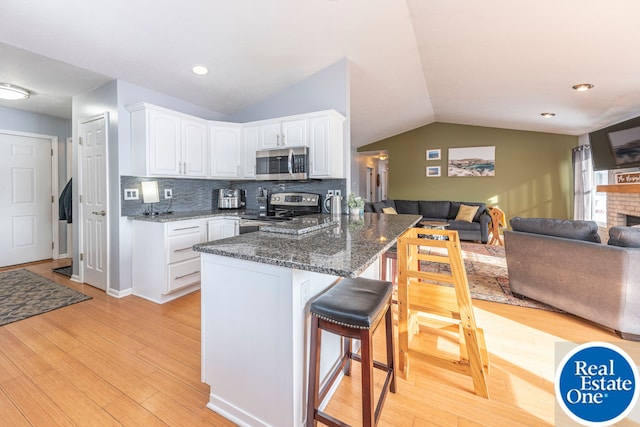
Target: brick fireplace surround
[622,200]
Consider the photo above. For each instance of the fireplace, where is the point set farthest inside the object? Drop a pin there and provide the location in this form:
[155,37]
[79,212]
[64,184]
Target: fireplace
[632,220]
[623,204]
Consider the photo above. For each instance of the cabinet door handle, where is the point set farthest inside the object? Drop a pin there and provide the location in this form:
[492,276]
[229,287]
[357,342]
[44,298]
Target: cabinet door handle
[186,228]
[184,168]
[187,275]
[183,249]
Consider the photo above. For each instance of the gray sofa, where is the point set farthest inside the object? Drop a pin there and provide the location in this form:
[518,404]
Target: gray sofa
[563,263]
[441,210]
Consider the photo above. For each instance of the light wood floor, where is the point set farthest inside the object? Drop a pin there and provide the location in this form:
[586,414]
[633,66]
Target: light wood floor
[131,362]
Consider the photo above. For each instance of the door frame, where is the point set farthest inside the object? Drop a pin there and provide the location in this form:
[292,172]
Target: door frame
[55,217]
[80,239]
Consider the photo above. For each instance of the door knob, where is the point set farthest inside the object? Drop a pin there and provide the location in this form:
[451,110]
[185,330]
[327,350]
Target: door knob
[101,213]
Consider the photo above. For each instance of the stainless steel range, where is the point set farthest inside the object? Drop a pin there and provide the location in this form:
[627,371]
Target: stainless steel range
[281,207]
[293,204]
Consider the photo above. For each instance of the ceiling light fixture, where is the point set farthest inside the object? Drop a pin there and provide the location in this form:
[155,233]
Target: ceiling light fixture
[547,115]
[200,70]
[583,87]
[12,92]
[383,157]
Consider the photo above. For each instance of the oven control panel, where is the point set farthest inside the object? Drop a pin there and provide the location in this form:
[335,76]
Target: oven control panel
[294,199]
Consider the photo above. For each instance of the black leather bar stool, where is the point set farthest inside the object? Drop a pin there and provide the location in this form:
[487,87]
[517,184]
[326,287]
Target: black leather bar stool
[353,309]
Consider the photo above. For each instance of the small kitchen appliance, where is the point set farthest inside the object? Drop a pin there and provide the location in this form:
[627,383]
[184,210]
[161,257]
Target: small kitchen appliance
[228,198]
[333,205]
[289,164]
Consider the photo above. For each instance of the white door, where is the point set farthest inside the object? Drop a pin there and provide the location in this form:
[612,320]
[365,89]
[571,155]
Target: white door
[93,193]
[26,197]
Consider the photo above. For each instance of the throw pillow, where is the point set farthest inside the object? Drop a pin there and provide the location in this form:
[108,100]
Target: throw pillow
[466,213]
[389,211]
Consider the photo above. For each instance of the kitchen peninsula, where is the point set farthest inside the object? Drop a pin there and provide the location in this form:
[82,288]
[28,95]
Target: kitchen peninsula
[256,289]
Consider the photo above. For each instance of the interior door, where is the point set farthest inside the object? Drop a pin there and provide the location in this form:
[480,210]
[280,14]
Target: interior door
[93,203]
[26,197]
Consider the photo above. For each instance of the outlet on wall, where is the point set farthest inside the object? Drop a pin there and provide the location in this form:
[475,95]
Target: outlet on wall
[131,194]
[337,192]
[168,193]
[330,193]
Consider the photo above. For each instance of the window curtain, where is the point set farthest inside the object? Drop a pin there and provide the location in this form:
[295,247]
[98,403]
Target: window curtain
[582,182]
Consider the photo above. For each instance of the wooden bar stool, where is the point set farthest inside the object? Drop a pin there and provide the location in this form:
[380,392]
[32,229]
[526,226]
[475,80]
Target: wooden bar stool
[353,309]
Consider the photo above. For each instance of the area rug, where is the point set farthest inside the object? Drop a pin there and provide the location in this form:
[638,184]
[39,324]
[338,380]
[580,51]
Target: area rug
[65,271]
[24,294]
[486,267]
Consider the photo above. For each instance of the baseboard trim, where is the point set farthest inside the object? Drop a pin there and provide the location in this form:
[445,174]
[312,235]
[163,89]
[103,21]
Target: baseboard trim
[119,294]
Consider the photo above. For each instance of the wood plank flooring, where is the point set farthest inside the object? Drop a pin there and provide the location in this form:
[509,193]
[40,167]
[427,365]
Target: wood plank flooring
[131,362]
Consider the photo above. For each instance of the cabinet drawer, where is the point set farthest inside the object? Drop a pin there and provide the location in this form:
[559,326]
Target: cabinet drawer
[185,273]
[184,227]
[179,247]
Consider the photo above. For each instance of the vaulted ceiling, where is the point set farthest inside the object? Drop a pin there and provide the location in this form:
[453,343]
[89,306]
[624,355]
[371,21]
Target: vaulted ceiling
[497,63]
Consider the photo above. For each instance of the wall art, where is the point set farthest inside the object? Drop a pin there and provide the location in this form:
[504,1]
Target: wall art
[433,171]
[433,154]
[472,161]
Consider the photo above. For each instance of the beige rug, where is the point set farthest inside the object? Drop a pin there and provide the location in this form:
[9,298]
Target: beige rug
[486,267]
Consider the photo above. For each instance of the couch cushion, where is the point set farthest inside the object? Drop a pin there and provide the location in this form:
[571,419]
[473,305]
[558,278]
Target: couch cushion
[466,213]
[378,206]
[568,229]
[455,207]
[628,237]
[407,207]
[434,209]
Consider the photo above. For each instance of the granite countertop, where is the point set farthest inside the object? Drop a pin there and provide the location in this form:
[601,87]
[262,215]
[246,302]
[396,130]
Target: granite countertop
[344,249]
[302,224]
[181,216]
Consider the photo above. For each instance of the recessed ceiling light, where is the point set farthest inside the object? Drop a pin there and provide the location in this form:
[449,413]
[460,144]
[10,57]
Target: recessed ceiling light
[547,115]
[12,92]
[200,70]
[582,87]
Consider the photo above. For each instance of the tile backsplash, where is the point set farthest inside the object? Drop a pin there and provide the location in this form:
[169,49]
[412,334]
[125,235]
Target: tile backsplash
[202,194]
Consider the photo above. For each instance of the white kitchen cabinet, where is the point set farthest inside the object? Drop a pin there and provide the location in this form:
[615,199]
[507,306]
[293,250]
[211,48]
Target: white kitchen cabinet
[251,138]
[326,146]
[164,265]
[226,150]
[167,143]
[283,134]
[222,227]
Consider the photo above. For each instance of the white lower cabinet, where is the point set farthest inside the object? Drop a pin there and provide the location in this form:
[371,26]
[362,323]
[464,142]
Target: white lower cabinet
[221,228]
[164,265]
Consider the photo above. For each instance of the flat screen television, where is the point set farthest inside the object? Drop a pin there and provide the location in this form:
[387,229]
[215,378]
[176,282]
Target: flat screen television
[625,146]
[616,146]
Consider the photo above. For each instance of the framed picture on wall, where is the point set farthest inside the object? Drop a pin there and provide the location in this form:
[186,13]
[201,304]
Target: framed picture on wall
[433,171]
[433,154]
[472,161]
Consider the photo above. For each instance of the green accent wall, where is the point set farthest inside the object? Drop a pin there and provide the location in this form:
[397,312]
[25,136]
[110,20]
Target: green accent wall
[533,171]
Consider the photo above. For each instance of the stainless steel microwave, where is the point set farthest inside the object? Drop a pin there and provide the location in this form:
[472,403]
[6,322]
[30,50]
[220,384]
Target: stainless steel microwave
[289,164]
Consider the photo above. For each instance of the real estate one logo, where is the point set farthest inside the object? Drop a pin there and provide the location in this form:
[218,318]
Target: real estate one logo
[596,384]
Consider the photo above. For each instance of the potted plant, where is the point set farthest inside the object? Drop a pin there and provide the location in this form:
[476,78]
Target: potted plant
[356,204]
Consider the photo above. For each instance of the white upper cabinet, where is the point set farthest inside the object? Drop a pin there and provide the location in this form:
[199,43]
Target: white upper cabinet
[283,134]
[194,147]
[226,150]
[251,137]
[326,148]
[172,144]
[166,143]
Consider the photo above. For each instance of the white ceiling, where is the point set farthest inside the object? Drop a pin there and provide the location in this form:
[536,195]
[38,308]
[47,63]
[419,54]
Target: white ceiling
[497,63]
